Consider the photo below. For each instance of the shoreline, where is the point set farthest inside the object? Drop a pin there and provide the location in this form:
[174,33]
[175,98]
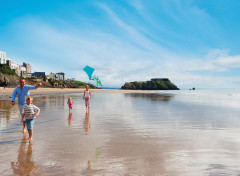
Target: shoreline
[7,92]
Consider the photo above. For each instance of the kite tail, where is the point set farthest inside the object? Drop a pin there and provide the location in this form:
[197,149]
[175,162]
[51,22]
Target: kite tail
[98,82]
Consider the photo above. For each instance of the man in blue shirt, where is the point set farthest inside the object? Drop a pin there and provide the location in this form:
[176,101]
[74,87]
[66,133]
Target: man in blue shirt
[22,91]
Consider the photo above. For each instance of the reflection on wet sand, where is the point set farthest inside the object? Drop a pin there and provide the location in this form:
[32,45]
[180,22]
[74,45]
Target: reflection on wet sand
[87,122]
[87,171]
[55,101]
[137,135]
[5,111]
[70,118]
[5,104]
[151,96]
[24,164]
[41,101]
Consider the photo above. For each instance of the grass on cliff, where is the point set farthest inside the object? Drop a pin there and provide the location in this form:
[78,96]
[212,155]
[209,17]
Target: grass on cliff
[5,69]
[70,83]
[80,83]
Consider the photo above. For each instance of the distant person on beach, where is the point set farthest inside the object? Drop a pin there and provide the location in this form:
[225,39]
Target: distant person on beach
[30,112]
[22,91]
[5,84]
[87,97]
[70,103]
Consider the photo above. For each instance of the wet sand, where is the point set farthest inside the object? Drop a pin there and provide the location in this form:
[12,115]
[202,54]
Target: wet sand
[7,92]
[123,134]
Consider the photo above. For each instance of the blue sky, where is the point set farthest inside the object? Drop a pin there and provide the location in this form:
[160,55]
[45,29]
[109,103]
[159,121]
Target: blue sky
[193,43]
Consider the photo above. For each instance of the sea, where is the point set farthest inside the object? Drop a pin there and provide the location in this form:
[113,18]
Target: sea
[167,133]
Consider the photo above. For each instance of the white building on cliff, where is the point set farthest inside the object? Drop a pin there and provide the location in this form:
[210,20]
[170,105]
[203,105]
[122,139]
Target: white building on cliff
[3,58]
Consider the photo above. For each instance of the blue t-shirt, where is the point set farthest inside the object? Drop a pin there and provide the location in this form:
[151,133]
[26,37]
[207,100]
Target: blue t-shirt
[22,93]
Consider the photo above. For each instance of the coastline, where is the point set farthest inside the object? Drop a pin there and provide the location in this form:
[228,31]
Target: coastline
[7,93]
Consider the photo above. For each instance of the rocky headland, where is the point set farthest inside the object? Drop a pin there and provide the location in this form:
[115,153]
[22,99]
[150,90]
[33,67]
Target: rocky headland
[153,84]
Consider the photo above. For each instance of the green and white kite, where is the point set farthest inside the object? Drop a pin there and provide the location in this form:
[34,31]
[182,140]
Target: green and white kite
[89,70]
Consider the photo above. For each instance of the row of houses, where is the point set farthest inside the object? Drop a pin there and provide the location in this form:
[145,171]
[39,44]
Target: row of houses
[25,70]
[56,76]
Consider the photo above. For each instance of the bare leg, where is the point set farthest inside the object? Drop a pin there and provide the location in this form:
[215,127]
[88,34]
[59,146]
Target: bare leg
[30,132]
[24,127]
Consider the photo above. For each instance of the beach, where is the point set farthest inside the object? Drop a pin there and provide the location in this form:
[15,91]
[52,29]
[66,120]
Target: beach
[126,132]
[5,93]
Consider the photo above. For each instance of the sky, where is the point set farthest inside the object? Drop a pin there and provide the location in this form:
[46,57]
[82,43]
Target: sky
[194,43]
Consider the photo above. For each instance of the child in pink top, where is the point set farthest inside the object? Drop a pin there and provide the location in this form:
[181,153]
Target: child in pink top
[70,103]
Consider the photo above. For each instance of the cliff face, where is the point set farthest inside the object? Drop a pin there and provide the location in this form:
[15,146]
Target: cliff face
[154,84]
[8,80]
[13,81]
[7,76]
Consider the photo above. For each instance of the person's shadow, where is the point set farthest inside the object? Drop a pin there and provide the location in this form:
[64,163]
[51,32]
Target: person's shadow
[24,164]
[87,122]
[70,118]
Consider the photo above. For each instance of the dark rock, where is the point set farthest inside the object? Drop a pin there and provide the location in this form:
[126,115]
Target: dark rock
[154,84]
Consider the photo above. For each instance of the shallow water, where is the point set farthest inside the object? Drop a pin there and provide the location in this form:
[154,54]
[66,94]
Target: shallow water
[176,133]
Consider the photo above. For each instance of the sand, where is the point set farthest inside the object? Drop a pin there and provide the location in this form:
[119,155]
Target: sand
[6,93]
[186,133]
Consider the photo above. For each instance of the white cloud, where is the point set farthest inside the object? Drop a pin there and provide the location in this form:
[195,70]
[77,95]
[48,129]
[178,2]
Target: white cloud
[216,60]
[229,61]
[117,59]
